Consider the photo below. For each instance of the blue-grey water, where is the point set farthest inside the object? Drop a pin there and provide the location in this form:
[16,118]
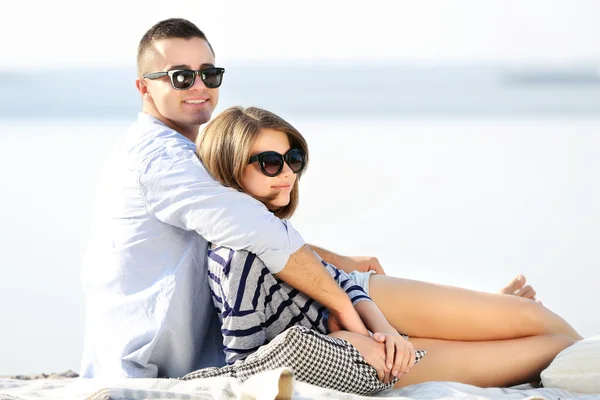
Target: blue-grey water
[459,175]
[324,91]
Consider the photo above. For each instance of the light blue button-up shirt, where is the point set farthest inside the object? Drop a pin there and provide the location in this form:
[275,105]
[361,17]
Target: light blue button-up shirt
[149,310]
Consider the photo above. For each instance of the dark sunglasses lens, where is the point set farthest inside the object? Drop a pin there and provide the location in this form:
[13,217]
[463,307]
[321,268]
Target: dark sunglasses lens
[212,77]
[295,160]
[271,164]
[183,79]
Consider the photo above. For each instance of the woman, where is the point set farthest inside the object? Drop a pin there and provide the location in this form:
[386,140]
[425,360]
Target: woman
[476,338]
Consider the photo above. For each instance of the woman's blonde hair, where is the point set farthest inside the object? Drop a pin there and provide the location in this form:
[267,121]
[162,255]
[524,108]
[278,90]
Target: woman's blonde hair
[224,146]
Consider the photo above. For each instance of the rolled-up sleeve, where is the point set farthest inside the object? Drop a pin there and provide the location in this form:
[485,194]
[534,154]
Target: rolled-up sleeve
[180,192]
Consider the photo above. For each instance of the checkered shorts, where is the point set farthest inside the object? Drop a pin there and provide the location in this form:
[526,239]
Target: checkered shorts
[314,358]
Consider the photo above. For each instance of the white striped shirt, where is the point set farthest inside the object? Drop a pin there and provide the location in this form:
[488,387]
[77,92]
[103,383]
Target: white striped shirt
[255,306]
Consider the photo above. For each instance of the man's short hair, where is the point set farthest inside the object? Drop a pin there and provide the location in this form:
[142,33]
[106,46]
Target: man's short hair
[173,28]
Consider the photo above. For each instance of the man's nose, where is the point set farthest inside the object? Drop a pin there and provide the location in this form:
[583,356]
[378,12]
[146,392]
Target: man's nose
[198,83]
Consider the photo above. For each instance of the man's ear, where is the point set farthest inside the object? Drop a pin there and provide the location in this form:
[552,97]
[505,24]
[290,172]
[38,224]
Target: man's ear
[142,87]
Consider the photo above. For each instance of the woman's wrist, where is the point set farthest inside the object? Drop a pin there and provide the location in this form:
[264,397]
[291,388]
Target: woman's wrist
[384,328]
[372,317]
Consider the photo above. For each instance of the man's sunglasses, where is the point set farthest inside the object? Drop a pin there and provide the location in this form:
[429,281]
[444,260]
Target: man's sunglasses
[182,79]
[271,162]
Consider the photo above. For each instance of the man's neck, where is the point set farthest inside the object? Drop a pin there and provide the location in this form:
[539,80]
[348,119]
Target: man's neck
[189,134]
[192,136]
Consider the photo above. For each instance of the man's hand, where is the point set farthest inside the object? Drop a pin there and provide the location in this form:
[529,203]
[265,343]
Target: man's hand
[349,321]
[359,263]
[349,264]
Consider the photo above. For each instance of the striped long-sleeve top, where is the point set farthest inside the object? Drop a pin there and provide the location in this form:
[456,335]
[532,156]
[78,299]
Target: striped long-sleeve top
[255,306]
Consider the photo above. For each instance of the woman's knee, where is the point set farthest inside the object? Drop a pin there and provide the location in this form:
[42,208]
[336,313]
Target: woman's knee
[534,317]
[540,320]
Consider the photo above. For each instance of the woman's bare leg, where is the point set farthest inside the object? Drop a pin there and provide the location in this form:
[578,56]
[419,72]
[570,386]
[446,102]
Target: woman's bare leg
[487,363]
[428,310]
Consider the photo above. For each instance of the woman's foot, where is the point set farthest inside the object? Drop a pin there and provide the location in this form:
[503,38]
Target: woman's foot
[518,287]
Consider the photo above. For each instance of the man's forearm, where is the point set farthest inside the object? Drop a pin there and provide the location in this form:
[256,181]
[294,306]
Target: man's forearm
[305,273]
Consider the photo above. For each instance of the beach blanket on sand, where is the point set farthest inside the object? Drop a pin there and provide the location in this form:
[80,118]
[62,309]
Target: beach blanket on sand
[278,383]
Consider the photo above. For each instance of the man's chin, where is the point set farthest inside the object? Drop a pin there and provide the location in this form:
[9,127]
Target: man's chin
[201,119]
[197,118]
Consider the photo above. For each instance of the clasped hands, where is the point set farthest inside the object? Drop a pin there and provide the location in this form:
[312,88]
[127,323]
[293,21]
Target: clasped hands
[389,353]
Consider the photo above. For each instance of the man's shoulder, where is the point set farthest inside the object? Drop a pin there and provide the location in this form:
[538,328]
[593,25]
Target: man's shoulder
[149,133]
[149,142]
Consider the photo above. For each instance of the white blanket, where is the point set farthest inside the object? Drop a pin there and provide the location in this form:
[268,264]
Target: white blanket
[264,386]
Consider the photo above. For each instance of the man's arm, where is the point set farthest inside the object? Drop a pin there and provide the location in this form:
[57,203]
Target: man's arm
[305,272]
[180,192]
[349,264]
[328,256]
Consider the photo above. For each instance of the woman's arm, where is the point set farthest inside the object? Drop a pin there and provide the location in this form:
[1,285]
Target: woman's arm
[373,318]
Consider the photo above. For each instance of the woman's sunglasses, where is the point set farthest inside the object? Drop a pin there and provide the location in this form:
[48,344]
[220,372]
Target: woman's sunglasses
[182,79]
[271,162]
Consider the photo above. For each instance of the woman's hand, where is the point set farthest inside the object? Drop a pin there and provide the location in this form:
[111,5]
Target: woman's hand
[399,352]
[372,351]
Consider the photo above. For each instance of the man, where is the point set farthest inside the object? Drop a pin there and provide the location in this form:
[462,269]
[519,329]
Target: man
[148,306]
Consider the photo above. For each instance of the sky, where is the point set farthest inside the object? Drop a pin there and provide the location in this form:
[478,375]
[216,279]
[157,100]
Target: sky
[64,33]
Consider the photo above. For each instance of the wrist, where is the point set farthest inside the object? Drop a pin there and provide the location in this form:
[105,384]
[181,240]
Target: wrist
[386,329]
[344,307]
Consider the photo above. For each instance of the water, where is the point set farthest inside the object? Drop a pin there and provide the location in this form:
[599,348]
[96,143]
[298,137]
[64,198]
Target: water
[467,199]
[325,91]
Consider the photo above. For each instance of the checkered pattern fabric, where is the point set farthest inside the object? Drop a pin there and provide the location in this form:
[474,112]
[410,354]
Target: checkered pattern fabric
[315,358]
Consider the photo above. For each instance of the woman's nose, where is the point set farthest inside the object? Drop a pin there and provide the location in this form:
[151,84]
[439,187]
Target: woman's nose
[286,169]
